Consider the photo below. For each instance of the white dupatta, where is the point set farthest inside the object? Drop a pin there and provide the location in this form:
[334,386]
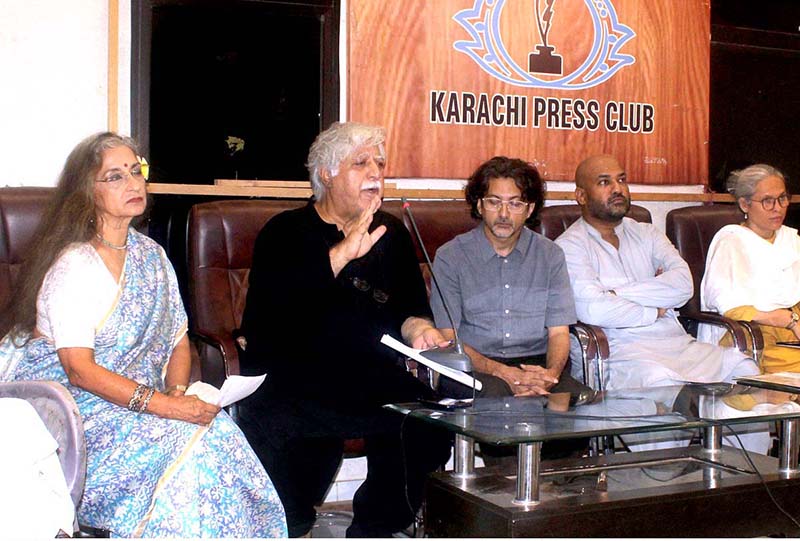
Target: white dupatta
[743,269]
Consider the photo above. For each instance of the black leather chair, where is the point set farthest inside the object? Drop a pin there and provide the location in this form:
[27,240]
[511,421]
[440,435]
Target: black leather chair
[691,230]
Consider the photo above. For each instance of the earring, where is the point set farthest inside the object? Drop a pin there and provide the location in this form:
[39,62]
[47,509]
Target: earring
[745,216]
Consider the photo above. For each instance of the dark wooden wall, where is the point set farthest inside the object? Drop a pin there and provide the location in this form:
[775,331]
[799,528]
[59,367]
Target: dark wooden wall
[755,87]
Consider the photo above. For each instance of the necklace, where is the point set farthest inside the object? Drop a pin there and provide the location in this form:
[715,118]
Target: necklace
[110,245]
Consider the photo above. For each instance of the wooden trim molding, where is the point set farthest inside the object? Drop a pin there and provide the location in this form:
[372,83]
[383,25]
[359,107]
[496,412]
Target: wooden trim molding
[287,189]
[113,65]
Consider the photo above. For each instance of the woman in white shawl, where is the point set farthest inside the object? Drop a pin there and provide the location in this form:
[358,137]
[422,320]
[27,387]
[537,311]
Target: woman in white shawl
[753,268]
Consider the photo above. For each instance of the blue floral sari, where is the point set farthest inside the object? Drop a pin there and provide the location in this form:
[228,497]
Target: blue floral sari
[148,476]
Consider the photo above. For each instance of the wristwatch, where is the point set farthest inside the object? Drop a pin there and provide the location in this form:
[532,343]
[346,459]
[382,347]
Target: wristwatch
[795,319]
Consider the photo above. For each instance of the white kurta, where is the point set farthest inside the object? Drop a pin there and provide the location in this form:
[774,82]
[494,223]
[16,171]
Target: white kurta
[743,269]
[622,290]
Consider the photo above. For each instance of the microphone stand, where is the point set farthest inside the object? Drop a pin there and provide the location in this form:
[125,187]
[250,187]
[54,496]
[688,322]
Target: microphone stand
[452,356]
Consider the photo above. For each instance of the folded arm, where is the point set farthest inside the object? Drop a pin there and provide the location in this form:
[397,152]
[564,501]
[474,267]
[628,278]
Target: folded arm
[595,303]
[637,304]
[670,287]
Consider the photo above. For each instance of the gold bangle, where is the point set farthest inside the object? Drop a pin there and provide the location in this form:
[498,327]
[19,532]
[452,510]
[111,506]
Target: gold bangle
[181,388]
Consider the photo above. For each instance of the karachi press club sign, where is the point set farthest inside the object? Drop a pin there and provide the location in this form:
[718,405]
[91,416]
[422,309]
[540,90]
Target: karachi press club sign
[544,69]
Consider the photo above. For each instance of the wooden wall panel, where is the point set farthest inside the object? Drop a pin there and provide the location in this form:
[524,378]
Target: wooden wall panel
[399,51]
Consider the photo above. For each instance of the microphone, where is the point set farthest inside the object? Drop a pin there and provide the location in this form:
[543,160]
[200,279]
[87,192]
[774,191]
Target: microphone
[451,356]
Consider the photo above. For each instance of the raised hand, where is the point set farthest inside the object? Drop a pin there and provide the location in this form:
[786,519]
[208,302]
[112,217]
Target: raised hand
[357,238]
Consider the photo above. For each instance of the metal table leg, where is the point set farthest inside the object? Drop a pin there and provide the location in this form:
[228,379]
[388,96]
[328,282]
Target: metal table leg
[712,439]
[790,446]
[711,476]
[464,459]
[528,459]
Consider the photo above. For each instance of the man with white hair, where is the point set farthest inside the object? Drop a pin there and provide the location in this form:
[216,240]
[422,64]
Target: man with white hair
[327,281]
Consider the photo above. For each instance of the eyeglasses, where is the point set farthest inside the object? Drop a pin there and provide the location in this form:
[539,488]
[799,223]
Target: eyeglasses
[515,206]
[769,202]
[115,178]
[362,285]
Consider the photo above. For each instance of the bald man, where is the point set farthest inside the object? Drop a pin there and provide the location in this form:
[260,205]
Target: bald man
[628,279]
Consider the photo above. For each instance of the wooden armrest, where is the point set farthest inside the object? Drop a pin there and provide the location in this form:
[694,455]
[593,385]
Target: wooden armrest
[212,372]
[210,368]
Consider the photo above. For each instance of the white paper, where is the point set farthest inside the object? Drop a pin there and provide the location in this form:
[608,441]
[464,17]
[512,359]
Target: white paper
[233,389]
[457,375]
[790,375]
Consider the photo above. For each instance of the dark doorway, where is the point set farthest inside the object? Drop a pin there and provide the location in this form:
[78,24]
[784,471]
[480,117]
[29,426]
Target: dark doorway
[232,88]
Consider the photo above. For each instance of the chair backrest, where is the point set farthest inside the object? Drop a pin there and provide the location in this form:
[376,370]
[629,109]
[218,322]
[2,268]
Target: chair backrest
[691,229]
[221,236]
[21,210]
[555,219]
[438,222]
[55,405]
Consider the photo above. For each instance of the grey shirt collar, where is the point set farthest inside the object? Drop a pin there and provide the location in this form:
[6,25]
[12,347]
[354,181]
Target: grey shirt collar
[485,250]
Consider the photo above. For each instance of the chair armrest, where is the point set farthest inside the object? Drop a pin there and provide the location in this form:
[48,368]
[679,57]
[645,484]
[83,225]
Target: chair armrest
[737,330]
[215,370]
[594,352]
[220,364]
[757,338]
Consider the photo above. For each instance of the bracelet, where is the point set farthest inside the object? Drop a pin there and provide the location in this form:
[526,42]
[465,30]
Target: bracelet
[136,399]
[181,388]
[147,400]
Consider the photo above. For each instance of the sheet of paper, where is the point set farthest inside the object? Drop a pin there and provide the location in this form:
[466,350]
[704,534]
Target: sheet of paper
[789,378]
[790,375]
[237,387]
[204,391]
[780,381]
[233,389]
[457,375]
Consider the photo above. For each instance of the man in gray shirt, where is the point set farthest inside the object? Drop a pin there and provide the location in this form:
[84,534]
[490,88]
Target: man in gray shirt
[507,287]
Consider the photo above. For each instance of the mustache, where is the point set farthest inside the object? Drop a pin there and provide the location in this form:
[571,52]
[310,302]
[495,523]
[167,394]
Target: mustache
[371,186]
[618,196]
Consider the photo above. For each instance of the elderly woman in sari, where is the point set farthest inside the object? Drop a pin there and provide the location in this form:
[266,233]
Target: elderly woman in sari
[327,281]
[98,310]
[753,268]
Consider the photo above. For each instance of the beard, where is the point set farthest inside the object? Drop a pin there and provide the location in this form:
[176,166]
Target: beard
[608,211]
[502,232]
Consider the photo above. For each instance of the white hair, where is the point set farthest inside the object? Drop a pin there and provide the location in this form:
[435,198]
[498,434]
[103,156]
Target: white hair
[333,145]
[743,183]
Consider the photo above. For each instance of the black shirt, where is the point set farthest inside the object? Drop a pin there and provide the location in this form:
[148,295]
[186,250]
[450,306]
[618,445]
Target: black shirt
[318,336]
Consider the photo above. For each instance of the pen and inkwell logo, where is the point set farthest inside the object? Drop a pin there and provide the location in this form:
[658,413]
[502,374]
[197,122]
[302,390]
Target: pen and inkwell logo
[486,47]
[543,60]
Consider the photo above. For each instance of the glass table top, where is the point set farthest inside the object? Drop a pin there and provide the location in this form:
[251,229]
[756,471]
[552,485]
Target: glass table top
[515,420]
